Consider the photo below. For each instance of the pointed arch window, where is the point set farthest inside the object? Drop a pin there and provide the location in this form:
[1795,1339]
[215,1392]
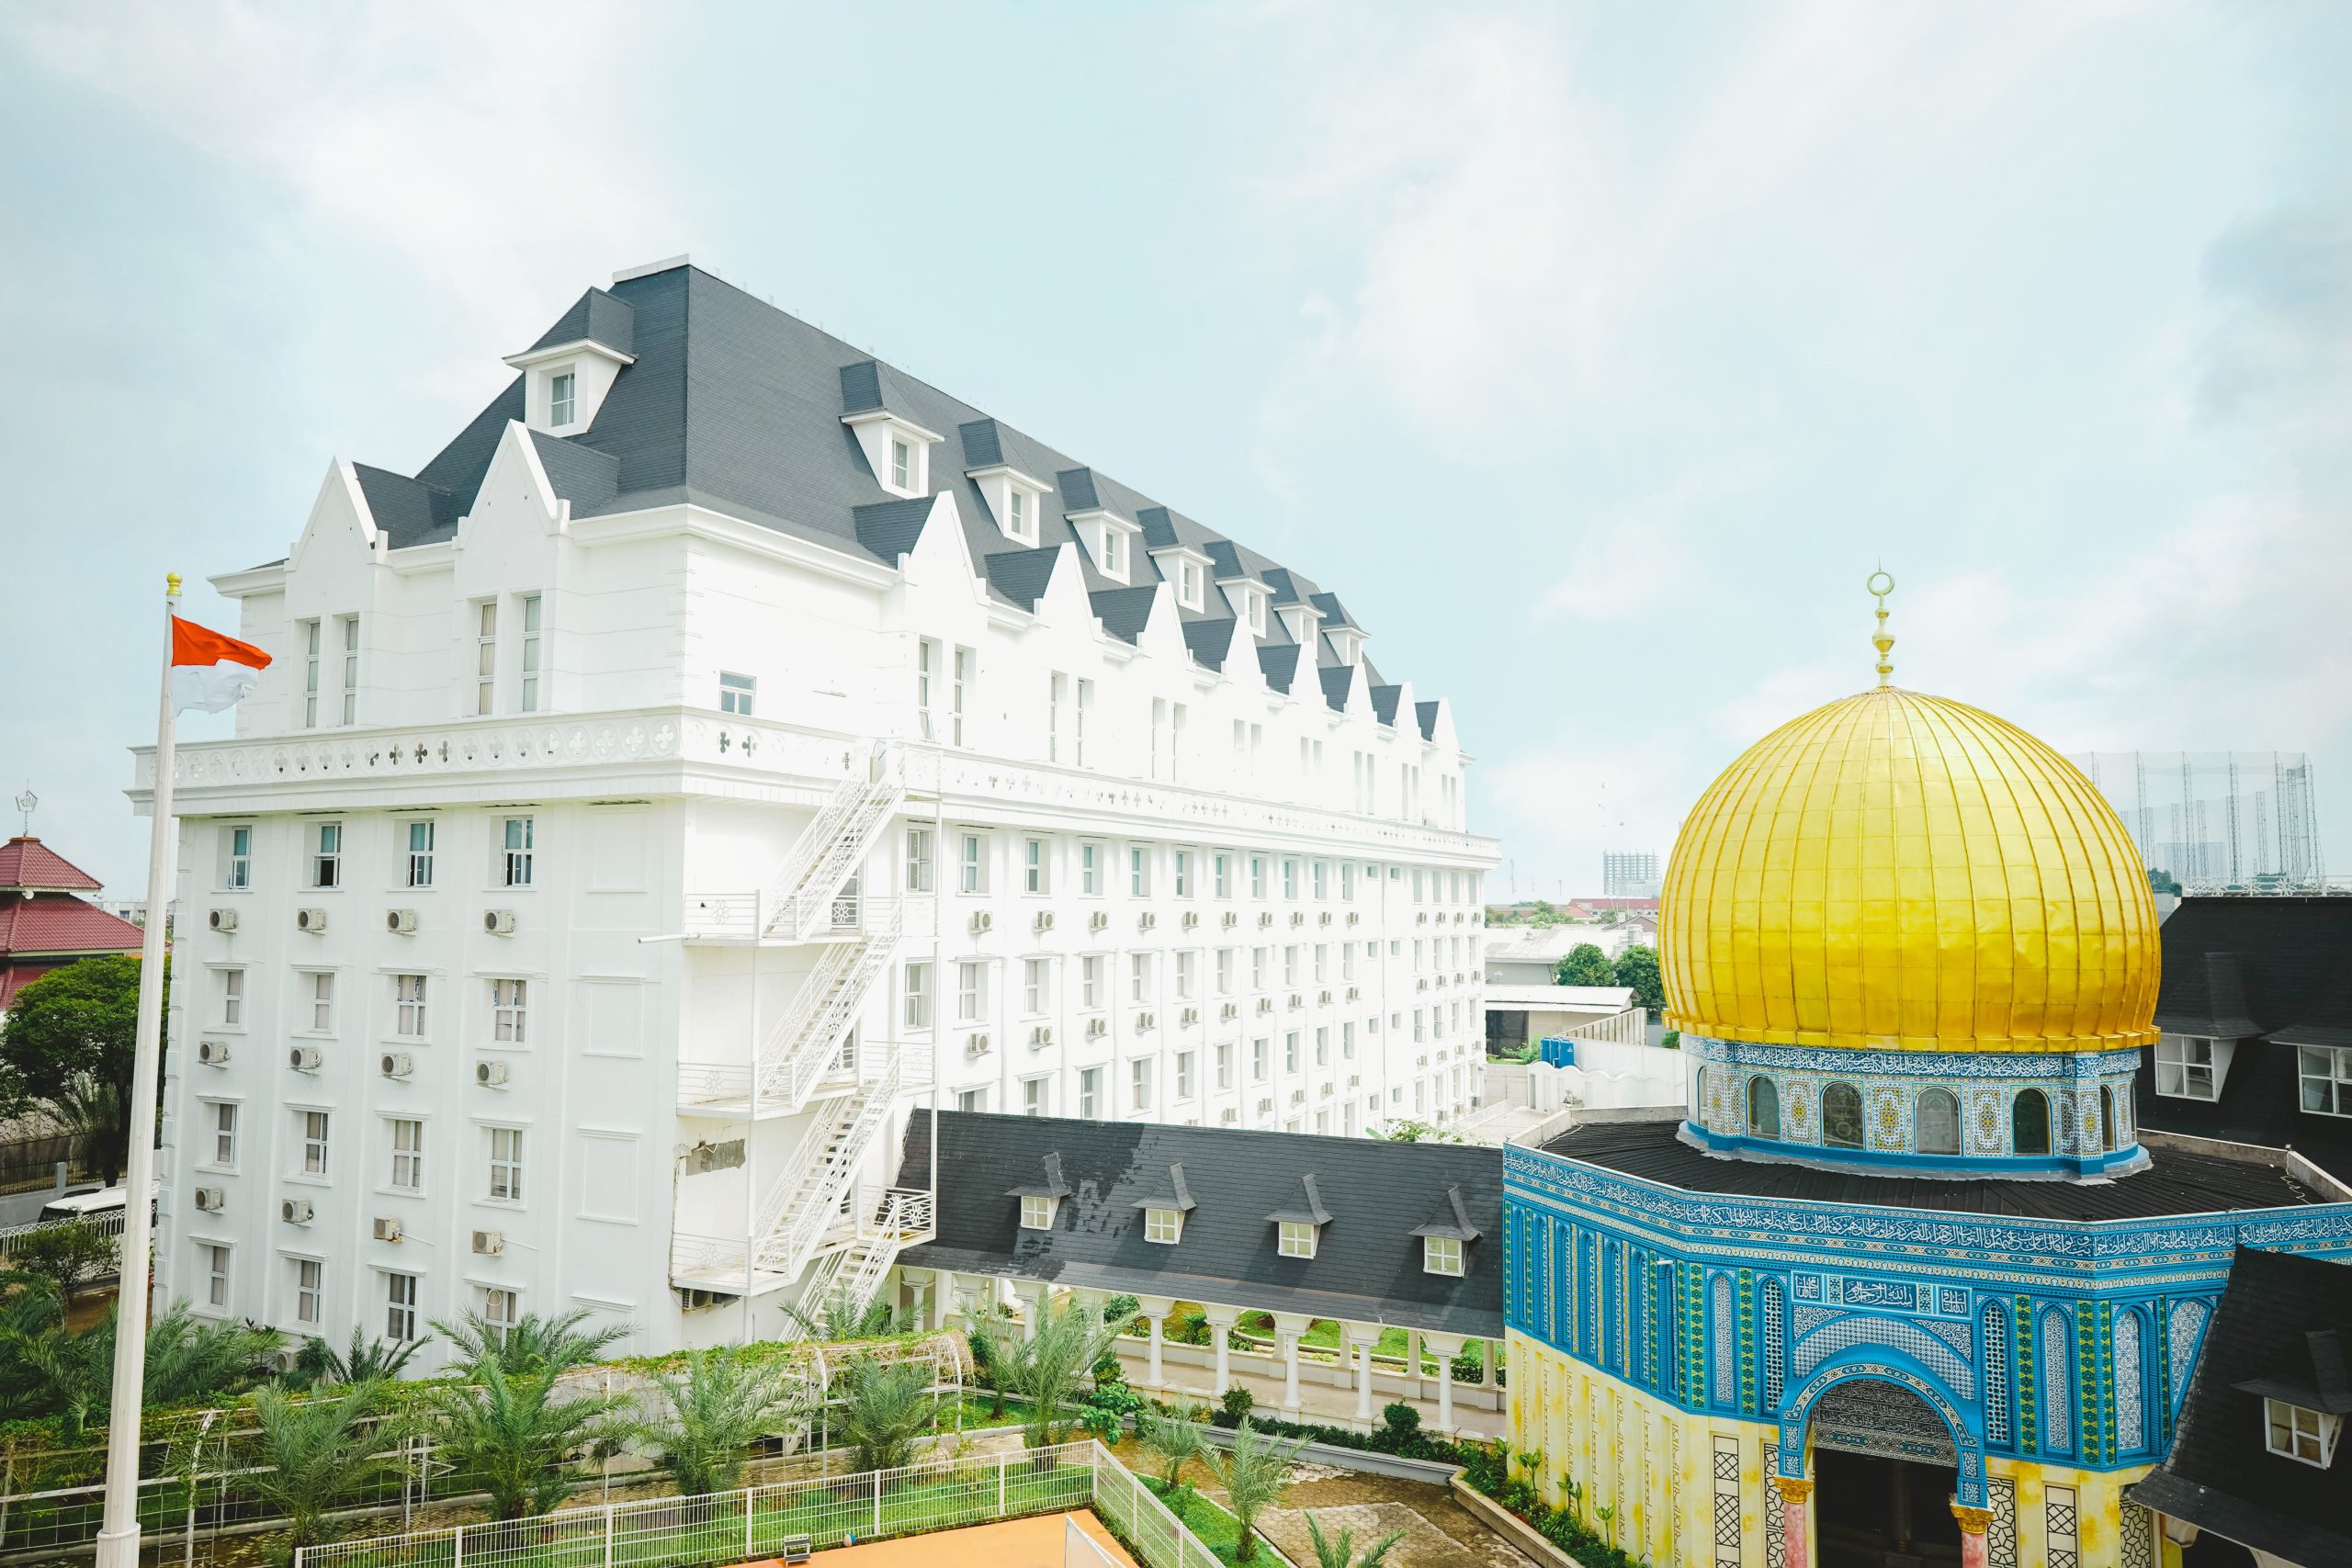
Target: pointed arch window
[2107,1118]
[1841,1116]
[2057,1380]
[1763,1109]
[2029,1123]
[1937,1121]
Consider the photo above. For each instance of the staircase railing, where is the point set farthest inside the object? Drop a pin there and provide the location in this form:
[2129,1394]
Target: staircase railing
[829,852]
[802,1048]
[805,1205]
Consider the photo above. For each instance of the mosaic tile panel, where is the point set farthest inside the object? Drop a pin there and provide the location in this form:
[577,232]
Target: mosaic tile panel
[2131,1403]
[1996,1374]
[2057,1381]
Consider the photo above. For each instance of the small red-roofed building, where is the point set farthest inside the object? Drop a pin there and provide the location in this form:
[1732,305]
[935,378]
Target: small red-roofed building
[45,921]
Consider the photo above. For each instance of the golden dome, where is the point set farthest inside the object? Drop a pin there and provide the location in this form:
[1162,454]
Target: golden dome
[1897,871]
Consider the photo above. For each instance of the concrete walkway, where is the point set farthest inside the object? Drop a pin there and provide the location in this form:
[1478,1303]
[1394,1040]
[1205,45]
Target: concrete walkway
[1319,1403]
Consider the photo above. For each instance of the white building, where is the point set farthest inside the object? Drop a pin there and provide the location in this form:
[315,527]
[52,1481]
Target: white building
[724,745]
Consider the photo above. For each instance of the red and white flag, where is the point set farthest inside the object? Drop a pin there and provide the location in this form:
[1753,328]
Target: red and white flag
[209,671]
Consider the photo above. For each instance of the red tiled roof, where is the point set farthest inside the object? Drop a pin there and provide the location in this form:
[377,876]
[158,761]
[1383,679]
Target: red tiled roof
[28,863]
[62,923]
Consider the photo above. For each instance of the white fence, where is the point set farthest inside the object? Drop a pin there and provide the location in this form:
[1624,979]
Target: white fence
[13,1236]
[757,1522]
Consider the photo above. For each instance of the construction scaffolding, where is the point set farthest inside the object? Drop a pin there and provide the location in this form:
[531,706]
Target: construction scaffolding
[2218,822]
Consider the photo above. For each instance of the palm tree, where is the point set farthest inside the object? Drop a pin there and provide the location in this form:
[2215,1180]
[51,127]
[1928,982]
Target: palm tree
[720,1407]
[837,1320]
[1256,1475]
[319,1364]
[1046,1369]
[517,1442]
[532,1344]
[1339,1551]
[883,1410]
[317,1452]
[1176,1438]
[50,1369]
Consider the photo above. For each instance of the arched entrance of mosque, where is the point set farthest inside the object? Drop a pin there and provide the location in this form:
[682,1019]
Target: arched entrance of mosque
[1884,1472]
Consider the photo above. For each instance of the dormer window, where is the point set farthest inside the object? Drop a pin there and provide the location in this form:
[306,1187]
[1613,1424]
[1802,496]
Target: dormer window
[1164,1209]
[1248,601]
[2191,1067]
[1191,584]
[1297,1229]
[1297,1238]
[897,449]
[1039,1198]
[1038,1211]
[903,464]
[2307,1436]
[1020,515]
[1163,1227]
[560,398]
[2326,1078]
[1347,645]
[1110,540]
[1441,1255]
[1114,553]
[1446,1238]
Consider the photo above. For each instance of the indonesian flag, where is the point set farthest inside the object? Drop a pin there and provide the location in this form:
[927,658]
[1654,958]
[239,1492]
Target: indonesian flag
[209,671]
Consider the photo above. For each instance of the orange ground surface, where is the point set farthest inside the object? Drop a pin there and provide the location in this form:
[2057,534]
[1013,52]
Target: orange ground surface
[1015,1543]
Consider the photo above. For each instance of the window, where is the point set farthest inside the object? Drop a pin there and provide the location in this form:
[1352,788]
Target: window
[310,1291]
[1032,865]
[955,696]
[1221,867]
[408,1006]
[1020,516]
[1258,964]
[500,1311]
[321,988]
[1256,876]
[2306,1436]
[1225,1066]
[326,862]
[2029,1123]
[1441,1255]
[232,999]
[1939,1122]
[1114,553]
[1187,974]
[1763,1109]
[1034,980]
[311,1126]
[1290,964]
[1348,880]
[971,992]
[916,1013]
[971,1099]
[561,402]
[420,853]
[1347,1041]
[1295,1238]
[1089,1092]
[1290,1052]
[2187,1067]
[1290,879]
[1259,1054]
[1089,980]
[508,1010]
[1033,1096]
[1317,880]
[1183,873]
[735,693]
[1057,687]
[2107,1118]
[1224,956]
[1139,977]
[1190,584]
[239,873]
[215,1261]
[1163,1227]
[1085,706]
[2326,1075]
[1183,1074]
[1037,1212]
[407,1135]
[1139,1085]
[1841,1116]
[926,678]
[1322,1045]
[399,1307]
[530,685]
[971,863]
[311,650]
[1139,871]
[514,864]
[486,657]
[223,1118]
[903,464]
[919,850]
[505,1164]
[349,627]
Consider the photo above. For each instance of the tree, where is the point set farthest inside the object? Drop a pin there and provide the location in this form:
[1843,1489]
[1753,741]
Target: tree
[532,1343]
[509,1434]
[315,1453]
[1340,1550]
[68,1256]
[1177,1439]
[1044,1368]
[1256,1475]
[838,1321]
[66,1046]
[319,1364]
[884,1408]
[720,1407]
[1585,965]
[1637,971]
[47,1369]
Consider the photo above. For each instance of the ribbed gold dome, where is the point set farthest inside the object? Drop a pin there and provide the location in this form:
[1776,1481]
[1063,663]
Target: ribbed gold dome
[1900,872]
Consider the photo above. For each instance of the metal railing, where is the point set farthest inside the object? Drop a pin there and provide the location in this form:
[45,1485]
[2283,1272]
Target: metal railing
[12,1236]
[757,1521]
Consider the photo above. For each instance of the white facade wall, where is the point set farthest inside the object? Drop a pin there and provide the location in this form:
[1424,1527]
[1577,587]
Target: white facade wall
[643,797]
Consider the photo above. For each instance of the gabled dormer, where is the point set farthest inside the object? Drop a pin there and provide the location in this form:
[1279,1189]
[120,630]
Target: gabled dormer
[1298,1230]
[1004,464]
[1040,1198]
[897,449]
[1299,620]
[1253,606]
[1187,571]
[1109,538]
[1347,637]
[1164,1209]
[567,373]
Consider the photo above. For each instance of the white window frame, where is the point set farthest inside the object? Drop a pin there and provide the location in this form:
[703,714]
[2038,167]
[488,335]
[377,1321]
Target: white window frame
[1139,871]
[237,871]
[533,629]
[503,1167]
[486,656]
[926,680]
[1037,1212]
[2311,1434]
[310,1291]
[314,1144]
[1185,1085]
[1139,1084]
[1037,986]
[420,833]
[1163,1227]
[502,1309]
[1084,705]
[509,1010]
[914,990]
[213,1256]
[321,1002]
[402,1292]
[1441,1255]
[2190,1066]
[971,862]
[960,681]
[1090,1092]
[921,867]
[518,858]
[563,396]
[1295,1239]
[1090,975]
[2334,1080]
[232,999]
[222,1131]
[737,694]
[971,991]
[313,651]
[326,859]
[902,464]
[348,628]
[408,1160]
[1036,864]
[408,1003]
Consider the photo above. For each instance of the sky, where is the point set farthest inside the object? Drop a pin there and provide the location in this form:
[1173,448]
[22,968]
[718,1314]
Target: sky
[1595,355]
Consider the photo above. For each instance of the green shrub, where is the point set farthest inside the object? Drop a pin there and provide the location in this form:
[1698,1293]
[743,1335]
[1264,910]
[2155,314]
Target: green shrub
[1403,1419]
[68,1256]
[1235,1404]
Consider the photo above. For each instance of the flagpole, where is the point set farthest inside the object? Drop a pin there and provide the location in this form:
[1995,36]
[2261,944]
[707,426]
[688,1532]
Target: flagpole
[118,1533]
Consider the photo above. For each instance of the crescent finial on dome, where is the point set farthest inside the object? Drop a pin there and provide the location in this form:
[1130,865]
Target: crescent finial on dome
[1880,584]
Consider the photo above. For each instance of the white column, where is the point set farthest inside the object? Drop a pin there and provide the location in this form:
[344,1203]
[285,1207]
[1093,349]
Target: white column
[1221,1318]
[1157,1309]
[1033,1314]
[1361,1336]
[1445,1347]
[1290,1327]
[1152,1374]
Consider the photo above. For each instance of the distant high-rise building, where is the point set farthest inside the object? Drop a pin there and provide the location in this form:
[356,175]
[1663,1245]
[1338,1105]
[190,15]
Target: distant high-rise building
[1629,874]
[2213,821]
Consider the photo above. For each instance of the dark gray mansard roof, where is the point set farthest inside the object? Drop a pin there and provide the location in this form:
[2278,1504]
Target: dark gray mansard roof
[1371,1203]
[733,405]
[2281,1330]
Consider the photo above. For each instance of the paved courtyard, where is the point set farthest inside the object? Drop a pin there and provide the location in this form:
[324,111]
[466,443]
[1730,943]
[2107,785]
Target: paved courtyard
[1439,1532]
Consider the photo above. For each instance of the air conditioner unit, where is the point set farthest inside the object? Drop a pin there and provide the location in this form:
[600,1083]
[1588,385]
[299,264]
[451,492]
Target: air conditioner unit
[222,920]
[975,1045]
[1298,1097]
[295,1210]
[1296,1000]
[1354,991]
[1229,1117]
[212,1053]
[1229,919]
[1422,1060]
[1189,1015]
[1144,1023]
[1355,1080]
[1324,918]
[1322,998]
[1354,916]
[1265,1107]
[1098,922]
[1044,920]
[311,921]
[386,1228]
[1265,918]
[1146,920]
[498,922]
[1325,1091]
[400,922]
[1265,1004]
[1096,1028]
[1422,984]
[491,1075]
[982,920]
[1192,919]
[1298,916]
[490,1244]
[1042,1034]
[397,1063]
[211,1200]
[1228,1010]
[306,1058]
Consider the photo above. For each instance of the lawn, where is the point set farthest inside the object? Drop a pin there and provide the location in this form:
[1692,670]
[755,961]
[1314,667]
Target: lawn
[1217,1530]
